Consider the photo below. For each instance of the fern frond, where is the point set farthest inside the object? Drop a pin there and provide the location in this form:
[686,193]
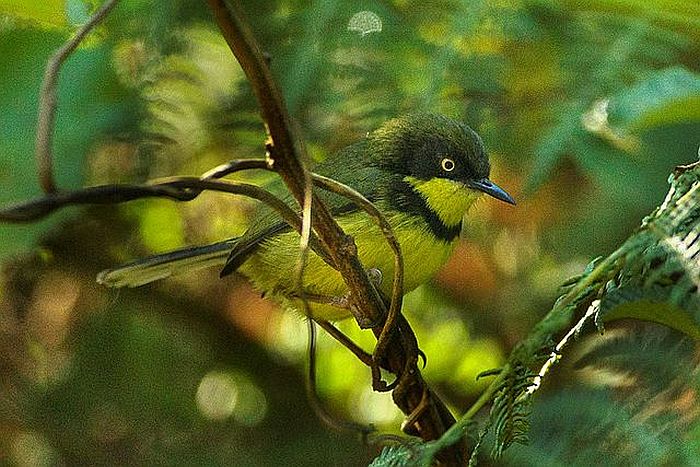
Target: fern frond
[588,427]
[661,272]
[394,456]
[511,411]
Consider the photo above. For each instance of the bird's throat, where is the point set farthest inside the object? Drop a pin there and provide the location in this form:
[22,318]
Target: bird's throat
[449,199]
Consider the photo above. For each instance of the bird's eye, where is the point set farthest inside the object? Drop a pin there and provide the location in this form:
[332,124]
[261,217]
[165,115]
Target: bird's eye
[448,165]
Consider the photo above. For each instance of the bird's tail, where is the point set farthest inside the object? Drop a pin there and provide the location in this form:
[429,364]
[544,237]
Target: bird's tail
[157,267]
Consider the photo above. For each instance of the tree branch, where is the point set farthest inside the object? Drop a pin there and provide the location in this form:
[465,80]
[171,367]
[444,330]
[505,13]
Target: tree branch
[287,155]
[47,99]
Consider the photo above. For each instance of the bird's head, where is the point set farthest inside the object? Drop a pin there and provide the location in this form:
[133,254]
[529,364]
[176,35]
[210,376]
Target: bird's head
[435,158]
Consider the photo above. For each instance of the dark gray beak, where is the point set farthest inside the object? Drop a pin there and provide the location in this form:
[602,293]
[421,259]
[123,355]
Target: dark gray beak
[490,188]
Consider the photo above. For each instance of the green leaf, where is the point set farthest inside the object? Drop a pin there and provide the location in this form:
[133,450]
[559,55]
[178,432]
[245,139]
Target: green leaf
[394,456]
[561,139]
[642,356]
[510,413]
[669,96]
[680,16]
[47,13]
[649,305]
[580,427]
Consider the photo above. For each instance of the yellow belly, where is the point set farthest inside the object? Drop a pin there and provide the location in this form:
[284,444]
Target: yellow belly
[272,267]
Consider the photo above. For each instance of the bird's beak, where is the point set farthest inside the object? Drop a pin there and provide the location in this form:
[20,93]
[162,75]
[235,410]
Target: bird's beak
[490,188]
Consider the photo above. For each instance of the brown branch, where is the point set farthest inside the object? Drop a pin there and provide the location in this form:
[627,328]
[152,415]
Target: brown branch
[47,99]
[413,393]
[36,209]
[177,189]
[286,156]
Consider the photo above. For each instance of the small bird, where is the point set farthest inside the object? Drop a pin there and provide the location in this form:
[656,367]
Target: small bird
[422,171]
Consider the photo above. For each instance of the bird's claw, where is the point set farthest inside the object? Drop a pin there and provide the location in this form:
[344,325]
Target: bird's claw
[375,276]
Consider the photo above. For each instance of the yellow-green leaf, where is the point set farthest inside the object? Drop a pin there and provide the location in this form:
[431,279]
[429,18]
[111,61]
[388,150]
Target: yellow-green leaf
[48,13]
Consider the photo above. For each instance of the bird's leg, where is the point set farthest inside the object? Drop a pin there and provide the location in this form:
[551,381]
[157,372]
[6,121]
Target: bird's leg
[412,354]
[378,358]
[375,276]
[343,301]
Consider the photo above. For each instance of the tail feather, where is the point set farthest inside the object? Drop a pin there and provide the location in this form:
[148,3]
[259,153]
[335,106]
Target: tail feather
[153,268]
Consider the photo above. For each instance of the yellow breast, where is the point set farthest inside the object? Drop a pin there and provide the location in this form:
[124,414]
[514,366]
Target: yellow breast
[272,268]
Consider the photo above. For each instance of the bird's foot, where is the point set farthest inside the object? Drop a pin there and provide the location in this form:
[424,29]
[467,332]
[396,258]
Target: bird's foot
[375,276]
[345,301]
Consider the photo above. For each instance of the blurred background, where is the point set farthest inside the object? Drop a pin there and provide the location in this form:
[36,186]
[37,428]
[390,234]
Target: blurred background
[585,108]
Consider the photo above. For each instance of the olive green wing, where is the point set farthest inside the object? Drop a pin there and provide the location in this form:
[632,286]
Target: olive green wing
[349,166]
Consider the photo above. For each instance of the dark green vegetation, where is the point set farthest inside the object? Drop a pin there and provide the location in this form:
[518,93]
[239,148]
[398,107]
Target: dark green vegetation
[585,111]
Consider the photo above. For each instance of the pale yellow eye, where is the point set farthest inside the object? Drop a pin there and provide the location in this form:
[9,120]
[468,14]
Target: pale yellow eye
[448,165]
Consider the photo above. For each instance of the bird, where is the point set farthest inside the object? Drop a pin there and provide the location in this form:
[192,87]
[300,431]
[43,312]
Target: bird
[423,171]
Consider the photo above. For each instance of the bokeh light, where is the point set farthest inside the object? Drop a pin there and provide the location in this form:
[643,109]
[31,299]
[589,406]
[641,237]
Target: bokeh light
[221,395]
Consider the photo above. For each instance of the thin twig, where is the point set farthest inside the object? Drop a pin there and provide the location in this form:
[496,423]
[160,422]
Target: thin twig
[236,165]
[361,355]
[312,392]
[304,238]
[177,188]
[32,210]
[48,101]
[287,154]
[334,422]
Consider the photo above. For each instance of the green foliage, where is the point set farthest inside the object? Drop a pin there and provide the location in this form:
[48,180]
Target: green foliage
[581,428]
[680,16]
[642,357]
[627,411]
[666,97]
[395,456]
[51,13]
[611,75]
[509,413]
